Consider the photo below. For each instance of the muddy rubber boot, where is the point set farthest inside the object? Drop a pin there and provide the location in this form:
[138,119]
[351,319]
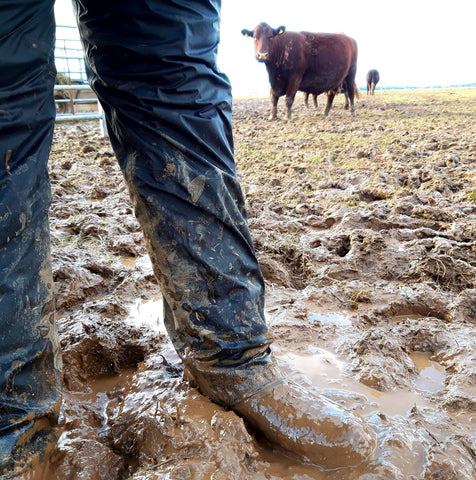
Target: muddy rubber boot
[308,425]
[302,422]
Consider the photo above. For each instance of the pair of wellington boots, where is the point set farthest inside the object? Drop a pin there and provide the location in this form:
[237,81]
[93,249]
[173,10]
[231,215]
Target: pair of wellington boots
[300,421]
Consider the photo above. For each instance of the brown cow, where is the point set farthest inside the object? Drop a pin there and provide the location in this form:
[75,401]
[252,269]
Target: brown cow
[309,62]
[373,78]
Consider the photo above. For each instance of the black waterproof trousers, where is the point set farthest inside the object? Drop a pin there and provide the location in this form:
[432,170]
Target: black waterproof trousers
[168,109]
[29,364]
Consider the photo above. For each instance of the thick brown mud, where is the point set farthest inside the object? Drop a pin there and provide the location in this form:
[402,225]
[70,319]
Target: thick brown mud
[365,228]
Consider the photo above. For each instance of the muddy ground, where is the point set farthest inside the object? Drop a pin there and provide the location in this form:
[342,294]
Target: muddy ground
[365,228]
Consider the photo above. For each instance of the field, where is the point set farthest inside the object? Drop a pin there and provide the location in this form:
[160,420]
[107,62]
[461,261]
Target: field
[365,229]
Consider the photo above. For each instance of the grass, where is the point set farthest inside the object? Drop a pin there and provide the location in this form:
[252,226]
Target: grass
[398,130]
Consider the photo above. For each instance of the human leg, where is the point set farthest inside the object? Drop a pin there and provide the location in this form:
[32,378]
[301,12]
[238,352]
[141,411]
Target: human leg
[29,361]
[153,67]
[169,119]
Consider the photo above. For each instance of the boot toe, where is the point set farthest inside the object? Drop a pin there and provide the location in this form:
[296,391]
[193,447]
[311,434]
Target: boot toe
[309,425]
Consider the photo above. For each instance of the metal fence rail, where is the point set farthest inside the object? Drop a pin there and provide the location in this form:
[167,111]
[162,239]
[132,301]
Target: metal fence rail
[95,110]
[69,58]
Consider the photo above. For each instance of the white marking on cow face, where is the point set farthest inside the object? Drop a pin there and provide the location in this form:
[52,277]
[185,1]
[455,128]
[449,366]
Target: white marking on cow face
[262,57]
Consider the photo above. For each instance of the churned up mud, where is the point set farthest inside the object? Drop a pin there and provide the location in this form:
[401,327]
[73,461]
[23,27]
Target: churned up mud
[365,228]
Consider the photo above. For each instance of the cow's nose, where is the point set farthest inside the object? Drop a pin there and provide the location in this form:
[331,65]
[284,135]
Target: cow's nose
[262,56]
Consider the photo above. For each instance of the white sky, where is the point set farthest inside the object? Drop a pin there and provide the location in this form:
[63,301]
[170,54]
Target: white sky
[410,42]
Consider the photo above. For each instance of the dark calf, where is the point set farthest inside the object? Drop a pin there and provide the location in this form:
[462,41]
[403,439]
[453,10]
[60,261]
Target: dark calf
[373,77]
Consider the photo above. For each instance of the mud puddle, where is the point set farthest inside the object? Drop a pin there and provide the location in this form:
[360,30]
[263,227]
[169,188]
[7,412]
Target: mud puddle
[317,368]
[324,371]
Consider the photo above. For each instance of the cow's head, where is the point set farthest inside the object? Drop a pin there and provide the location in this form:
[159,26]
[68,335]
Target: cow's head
[263,35]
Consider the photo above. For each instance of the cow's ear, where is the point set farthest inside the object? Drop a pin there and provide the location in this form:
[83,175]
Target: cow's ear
[280,30]
[247,33]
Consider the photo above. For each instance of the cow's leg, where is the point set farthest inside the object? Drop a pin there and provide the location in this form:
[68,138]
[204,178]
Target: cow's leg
[346,106]
[306,99]
[330,99]
[351,93]
[289,104]
[274,105]
[351,88]
[314,98]
[291,93]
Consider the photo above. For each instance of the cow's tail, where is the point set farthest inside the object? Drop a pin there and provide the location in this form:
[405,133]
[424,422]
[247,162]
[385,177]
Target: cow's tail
[356,92]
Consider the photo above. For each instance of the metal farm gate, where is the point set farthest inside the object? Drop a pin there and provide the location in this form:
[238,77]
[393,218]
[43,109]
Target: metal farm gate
[74,99]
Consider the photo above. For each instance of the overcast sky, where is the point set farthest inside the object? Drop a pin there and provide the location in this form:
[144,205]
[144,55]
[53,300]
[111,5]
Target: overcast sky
[410,42]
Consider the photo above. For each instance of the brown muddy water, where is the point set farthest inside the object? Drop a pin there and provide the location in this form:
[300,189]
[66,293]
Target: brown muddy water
[365,229]
[390,412]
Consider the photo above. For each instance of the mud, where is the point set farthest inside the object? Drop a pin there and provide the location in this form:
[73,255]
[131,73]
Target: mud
[365,228]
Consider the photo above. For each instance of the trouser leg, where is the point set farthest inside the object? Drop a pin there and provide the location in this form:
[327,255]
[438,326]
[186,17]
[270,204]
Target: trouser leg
[169,119]
[29,363]
[153,67]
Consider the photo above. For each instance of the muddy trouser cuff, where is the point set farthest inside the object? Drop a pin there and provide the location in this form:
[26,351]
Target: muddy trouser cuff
[231,385]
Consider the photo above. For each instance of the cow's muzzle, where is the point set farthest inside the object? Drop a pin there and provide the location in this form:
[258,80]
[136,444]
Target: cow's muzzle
[262,57]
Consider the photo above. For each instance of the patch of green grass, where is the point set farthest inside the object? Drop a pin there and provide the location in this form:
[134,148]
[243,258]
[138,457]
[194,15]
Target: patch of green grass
[354,164]
[248,154]
[316,159]
[352,203]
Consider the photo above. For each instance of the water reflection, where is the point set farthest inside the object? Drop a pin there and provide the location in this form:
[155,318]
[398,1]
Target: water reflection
[148,312]
[330,318]
[325,371]
[431,376]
